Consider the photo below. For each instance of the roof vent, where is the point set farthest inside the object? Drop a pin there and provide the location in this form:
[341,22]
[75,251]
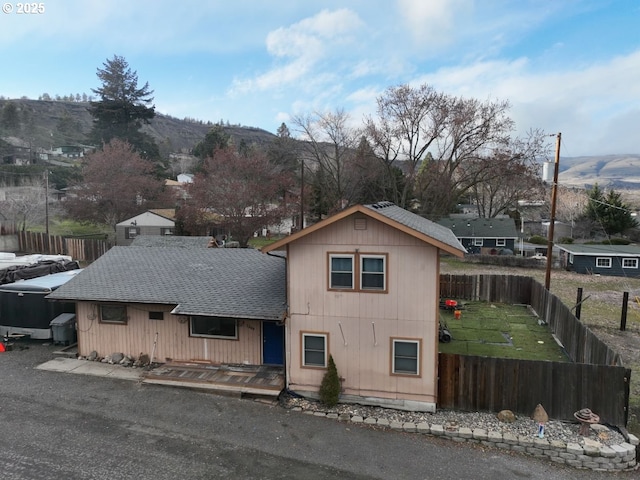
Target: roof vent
[380,205]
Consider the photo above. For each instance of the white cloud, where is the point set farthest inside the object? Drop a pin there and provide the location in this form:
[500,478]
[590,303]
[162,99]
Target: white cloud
[577,101]
[434,22]
[303,44]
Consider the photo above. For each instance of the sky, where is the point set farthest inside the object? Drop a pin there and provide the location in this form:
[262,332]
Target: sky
[570,66]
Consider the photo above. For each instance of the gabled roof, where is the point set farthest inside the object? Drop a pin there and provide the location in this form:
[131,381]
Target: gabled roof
[392,215]
[502,227]
[601,250]
[150,218]
[219,282]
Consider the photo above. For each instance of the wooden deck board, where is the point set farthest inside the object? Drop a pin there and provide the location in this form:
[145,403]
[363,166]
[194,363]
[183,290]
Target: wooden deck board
[252,379]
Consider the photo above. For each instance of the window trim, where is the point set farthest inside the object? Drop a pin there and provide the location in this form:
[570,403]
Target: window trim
[325,336]
[478,242]
[418,342]
[361,273]
[634,260]
[352,257]
[501,242]
[124,317]
[357,273]
[219,337]
[608,261]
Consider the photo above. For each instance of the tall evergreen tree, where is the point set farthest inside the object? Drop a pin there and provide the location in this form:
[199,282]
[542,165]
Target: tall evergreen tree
[122,108]
[609,212]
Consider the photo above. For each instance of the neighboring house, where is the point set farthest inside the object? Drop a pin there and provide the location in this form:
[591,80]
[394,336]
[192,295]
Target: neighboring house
[363,286]
[18,152]
[151,222]
[217,305]
[612,260]
[487,236]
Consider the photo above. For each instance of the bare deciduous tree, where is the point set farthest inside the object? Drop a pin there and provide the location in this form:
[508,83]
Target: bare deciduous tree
[117,183]
[245,191]
[330,146]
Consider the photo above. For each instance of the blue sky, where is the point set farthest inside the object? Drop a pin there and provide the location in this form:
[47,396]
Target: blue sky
[570,66]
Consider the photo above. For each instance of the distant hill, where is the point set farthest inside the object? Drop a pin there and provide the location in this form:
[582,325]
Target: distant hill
[47,124]
[611,171]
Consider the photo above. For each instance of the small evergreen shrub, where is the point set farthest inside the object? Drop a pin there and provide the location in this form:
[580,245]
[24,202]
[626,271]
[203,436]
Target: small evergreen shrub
[617,241]
[330,386]
[538,240]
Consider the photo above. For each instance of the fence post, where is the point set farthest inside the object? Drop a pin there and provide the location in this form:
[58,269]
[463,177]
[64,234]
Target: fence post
[623,317]
[579,303]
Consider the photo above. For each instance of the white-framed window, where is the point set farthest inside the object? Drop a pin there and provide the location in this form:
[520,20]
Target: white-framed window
[166,231]
[116,314]
[314,349]
[341,272]
[571,258]
[478,242]
[603,262]
[213,327]
[501,242]
[629,263]
[373,272]
[405,356]
[131,232]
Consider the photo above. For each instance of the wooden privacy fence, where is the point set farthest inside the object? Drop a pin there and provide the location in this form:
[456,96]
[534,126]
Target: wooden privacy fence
[80,249]
[596,379]
[472,383]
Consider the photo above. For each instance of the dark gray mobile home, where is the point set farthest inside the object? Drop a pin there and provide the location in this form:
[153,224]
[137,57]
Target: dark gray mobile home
[25,310]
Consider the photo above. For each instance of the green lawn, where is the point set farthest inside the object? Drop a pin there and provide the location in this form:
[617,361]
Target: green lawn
[498,330]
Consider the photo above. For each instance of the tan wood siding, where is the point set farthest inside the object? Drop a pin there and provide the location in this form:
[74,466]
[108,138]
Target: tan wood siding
[360,324]
[171,337]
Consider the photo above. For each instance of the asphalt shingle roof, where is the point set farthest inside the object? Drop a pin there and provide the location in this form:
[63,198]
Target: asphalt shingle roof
[604,250]
[417,223]
[481,227]
[235,282]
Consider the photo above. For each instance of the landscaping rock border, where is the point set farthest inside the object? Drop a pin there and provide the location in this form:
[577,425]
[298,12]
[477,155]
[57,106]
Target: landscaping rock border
[592,455]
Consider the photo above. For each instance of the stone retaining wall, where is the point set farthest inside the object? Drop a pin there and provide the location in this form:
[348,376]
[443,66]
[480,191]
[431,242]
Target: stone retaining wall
[594,456]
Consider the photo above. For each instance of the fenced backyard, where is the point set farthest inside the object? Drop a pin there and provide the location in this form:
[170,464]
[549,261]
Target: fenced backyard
[593,378]
[84,250]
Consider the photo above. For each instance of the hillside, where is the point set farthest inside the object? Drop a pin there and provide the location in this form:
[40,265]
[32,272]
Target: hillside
[611,171]
[46,124]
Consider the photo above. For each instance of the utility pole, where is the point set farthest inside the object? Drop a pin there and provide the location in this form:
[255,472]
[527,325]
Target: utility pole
[552,223]
[301,226]
[46,201]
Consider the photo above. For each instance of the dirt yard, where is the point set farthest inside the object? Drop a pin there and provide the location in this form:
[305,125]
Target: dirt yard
[601,311]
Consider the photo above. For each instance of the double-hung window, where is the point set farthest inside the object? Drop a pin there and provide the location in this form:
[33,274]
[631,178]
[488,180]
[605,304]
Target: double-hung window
[629,263]
[603,262]
[372,272]
[501,242]
[341,273]
[405,356]
[314,349]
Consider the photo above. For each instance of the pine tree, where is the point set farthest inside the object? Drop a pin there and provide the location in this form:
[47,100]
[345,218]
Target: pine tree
[122,108]
[330,386]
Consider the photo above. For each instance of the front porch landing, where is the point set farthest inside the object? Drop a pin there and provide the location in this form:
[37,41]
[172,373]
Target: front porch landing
[264,380]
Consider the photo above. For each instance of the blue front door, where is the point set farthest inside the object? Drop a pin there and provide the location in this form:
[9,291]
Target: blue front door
[272,343]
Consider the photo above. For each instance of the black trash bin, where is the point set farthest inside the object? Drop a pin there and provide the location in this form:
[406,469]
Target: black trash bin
[63,328]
